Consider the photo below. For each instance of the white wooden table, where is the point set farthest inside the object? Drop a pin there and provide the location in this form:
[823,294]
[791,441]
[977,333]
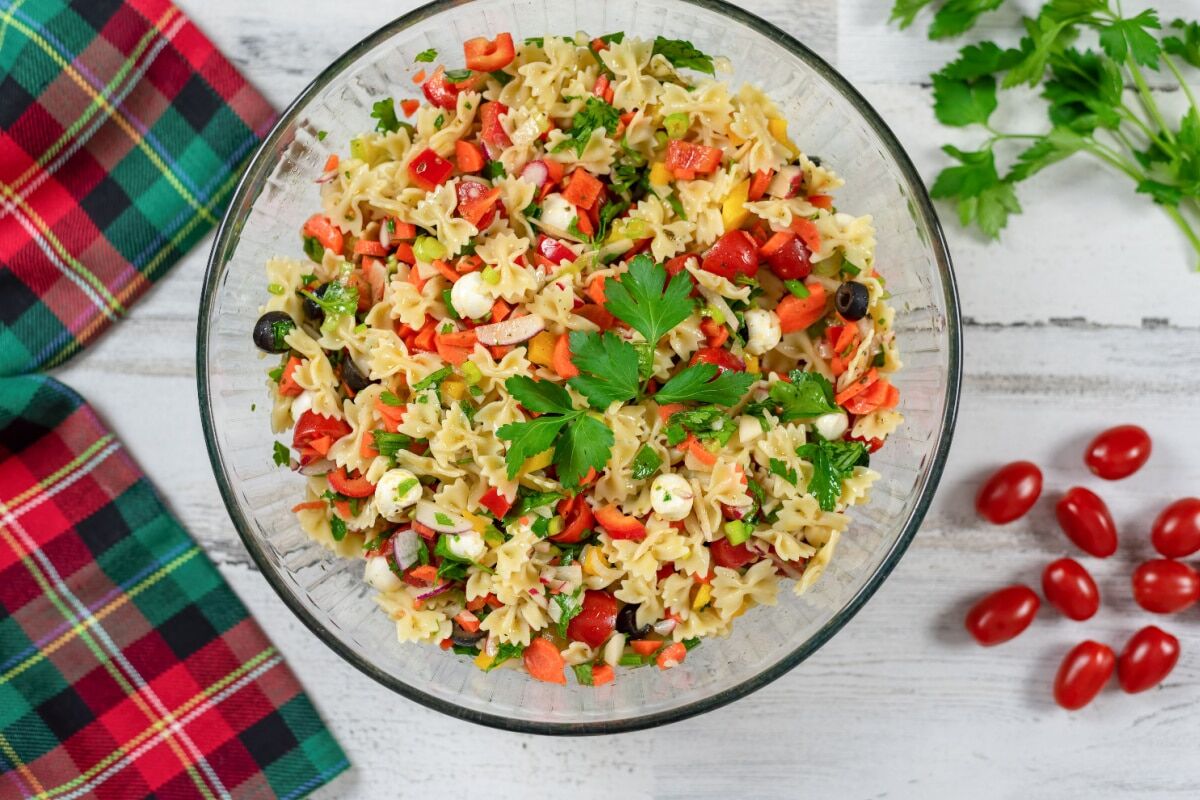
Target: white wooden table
[1086,316]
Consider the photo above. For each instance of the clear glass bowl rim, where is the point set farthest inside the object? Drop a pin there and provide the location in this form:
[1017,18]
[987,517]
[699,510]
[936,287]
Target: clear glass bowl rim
[264,159]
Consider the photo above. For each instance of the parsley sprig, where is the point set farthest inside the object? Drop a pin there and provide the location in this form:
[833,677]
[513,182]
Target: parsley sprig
[579,440]
[1085,103]
[832,463]
[595,115]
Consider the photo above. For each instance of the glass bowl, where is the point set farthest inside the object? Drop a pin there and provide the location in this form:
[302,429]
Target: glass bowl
[828,118]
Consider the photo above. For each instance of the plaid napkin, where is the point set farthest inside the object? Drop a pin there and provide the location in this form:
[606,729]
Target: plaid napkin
[128,668]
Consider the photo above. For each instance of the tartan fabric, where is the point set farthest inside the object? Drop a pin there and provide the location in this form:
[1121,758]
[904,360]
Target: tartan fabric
[122,130]
[128,668]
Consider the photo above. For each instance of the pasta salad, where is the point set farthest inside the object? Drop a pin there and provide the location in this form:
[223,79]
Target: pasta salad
[583,361]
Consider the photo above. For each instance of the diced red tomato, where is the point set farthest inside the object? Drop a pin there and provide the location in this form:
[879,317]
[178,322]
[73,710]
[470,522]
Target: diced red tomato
[577,514]
[313,426]
[583,189]
[596,620]
[350,486]
[428,169]
[439,91]
[287,383]
[692,159]
[495,501]
[734,556]
[735,253]
[788,257]
[678,264]
[483,55]
[468,155]
[720,358]
[321,228]
[671,655]
[493,135]
[618,525]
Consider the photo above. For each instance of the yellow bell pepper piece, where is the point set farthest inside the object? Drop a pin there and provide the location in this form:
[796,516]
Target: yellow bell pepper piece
[659,174]
[778,128]
[703,596]
[540,461]
[478,523]
[454,388]
[733,210]
[541,349]
[736,140]
[483,661]
[594,562]
[751,364]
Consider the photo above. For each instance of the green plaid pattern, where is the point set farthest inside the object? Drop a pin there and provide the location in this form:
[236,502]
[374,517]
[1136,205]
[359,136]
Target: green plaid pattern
[128,668]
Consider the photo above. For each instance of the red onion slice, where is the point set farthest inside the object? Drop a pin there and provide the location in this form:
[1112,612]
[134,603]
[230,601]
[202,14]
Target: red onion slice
[536,172]
[441,588]
[406,546]
[431,516]
[318,467]
[513,330]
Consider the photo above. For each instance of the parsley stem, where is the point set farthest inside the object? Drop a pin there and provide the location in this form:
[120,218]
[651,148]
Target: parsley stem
[1148,99]
[1174,213]
[1113,159]
[1187,90]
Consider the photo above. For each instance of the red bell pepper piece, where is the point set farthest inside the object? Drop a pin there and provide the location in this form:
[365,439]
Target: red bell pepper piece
[618,525]
[494,501]
[477,203]
[553,250]
[485,55]
[492,133]
[688,157]
[428,169]
[439,91]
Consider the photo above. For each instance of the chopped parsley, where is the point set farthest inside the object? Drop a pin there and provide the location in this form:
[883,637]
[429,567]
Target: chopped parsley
[583,674]
[458,75]
[595,115]
[427,56]
[493,170]
[683,54]
[832,463]
[579,440]
[645,463]
[337,300]
[389,399]
[384,112]
[569,606]
[432,379]
[337,528]
[314,249]
[321,135]
[282,455]
[505,652]
[781,469]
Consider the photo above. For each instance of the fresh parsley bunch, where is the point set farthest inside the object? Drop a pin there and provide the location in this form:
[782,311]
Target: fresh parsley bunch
[1087,106]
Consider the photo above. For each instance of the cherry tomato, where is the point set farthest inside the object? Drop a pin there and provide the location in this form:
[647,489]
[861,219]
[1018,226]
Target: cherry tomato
[1162,586]
[735,253]
[578,516]
[439,91]
[313,427]
[467,193]
[1069,588]
[596,621]
[791,261]
[1083,674]
[1148,657]
[1010,492]
[1118,452]
[734,556]
[1085,520]
[1002,615]
[1176,531]
[720,358]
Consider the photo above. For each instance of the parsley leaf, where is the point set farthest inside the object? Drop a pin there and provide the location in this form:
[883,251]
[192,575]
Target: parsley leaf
[683,54]
[701,383]
[645,463]
[427,56]
[281,455]
[639,299]
[832,463]
[585,443]
[505,652]
[781,469]
[959,103]
[337,300]
[569,606]
[608,368]
[542,397]
[1187,47]
[527,439]
[807,395]
[337,528]
[385,112]
[1132,37]
[595,115]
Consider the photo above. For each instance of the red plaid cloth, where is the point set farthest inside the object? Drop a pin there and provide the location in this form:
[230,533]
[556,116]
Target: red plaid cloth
[128,668]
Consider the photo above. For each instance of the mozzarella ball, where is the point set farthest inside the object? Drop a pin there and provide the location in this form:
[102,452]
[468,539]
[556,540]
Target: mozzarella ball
[397,490]
[466,545]
[302,403]
[763,331]
[832,425]
[671,497]
[380,575]
[468,297]
[557,212]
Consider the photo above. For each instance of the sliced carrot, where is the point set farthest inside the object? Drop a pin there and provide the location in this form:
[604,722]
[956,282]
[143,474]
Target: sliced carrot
[465,338]
[324,231]
[331,163]
[759,184]
[893,396]
[857,387]
[404,254]
[453,355]
[426,574]
[561,360]
[845,339]
[409,107]
[424,340]
[645,647]
[821,201]
[476,603]
[365,247]
[602,674]
[671,655]
[342,507]
[716,333]
[474,211]
[699,451]
[468,155]
[583,189]
[797,313]
[500,310]
[584,223]
[449,272]
[807,231]
[405,230]
[467,621]
[419,77]
[392,415]
[544,662]
[601,317]
[424,531]
[414,277]
[775,243]
[595,290]
[366,448]
[311,505]
[445,644]
[499,351]
[556,170]
[665,411]
[870,399]
[287,383]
